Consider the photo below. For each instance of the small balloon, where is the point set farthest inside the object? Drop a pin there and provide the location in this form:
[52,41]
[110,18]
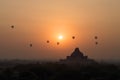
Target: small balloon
[31,45]
[58,43]
[96,37]
[96,43]
[12,26]
[48,41]
[73,37]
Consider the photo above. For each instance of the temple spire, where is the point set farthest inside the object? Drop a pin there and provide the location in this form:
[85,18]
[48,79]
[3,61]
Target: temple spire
[77,57]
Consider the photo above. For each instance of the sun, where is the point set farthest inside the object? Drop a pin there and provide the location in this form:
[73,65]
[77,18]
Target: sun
[60,37]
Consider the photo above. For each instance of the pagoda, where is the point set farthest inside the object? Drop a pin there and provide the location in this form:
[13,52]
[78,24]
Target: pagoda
[77,57]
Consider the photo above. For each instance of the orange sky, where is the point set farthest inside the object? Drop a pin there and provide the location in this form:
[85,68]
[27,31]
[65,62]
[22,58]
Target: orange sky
[36,21]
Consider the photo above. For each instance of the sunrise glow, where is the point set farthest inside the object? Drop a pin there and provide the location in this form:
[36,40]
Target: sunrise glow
[52,29]
[60,37]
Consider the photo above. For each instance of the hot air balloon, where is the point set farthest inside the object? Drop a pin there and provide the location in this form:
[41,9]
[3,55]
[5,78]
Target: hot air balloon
[48,41]
[73,37]
[96,37]
[96,43]
[12,26]
[58,43]
[30,45]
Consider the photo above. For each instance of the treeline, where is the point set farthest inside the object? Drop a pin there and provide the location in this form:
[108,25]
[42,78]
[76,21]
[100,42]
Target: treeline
[55,71]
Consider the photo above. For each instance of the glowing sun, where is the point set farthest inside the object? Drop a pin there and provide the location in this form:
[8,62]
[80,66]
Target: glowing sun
[60,37]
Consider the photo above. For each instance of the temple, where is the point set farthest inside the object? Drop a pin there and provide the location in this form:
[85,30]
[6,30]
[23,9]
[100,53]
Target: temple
[77,57]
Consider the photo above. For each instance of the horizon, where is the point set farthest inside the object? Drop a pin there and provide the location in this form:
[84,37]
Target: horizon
[50,30]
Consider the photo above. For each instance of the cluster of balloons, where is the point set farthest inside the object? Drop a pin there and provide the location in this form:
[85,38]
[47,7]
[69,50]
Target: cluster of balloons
[73,37]
[13,28]
[96,38]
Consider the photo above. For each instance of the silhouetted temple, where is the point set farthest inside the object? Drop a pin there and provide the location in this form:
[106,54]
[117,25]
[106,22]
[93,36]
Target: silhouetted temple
[77,57]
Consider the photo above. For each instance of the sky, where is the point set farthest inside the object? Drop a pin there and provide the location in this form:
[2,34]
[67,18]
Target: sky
[37,21]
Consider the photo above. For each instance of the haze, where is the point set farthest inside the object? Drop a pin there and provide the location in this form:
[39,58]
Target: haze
[37,21]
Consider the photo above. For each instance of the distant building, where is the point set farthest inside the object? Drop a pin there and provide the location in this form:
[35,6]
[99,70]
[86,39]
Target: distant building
[77,57]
